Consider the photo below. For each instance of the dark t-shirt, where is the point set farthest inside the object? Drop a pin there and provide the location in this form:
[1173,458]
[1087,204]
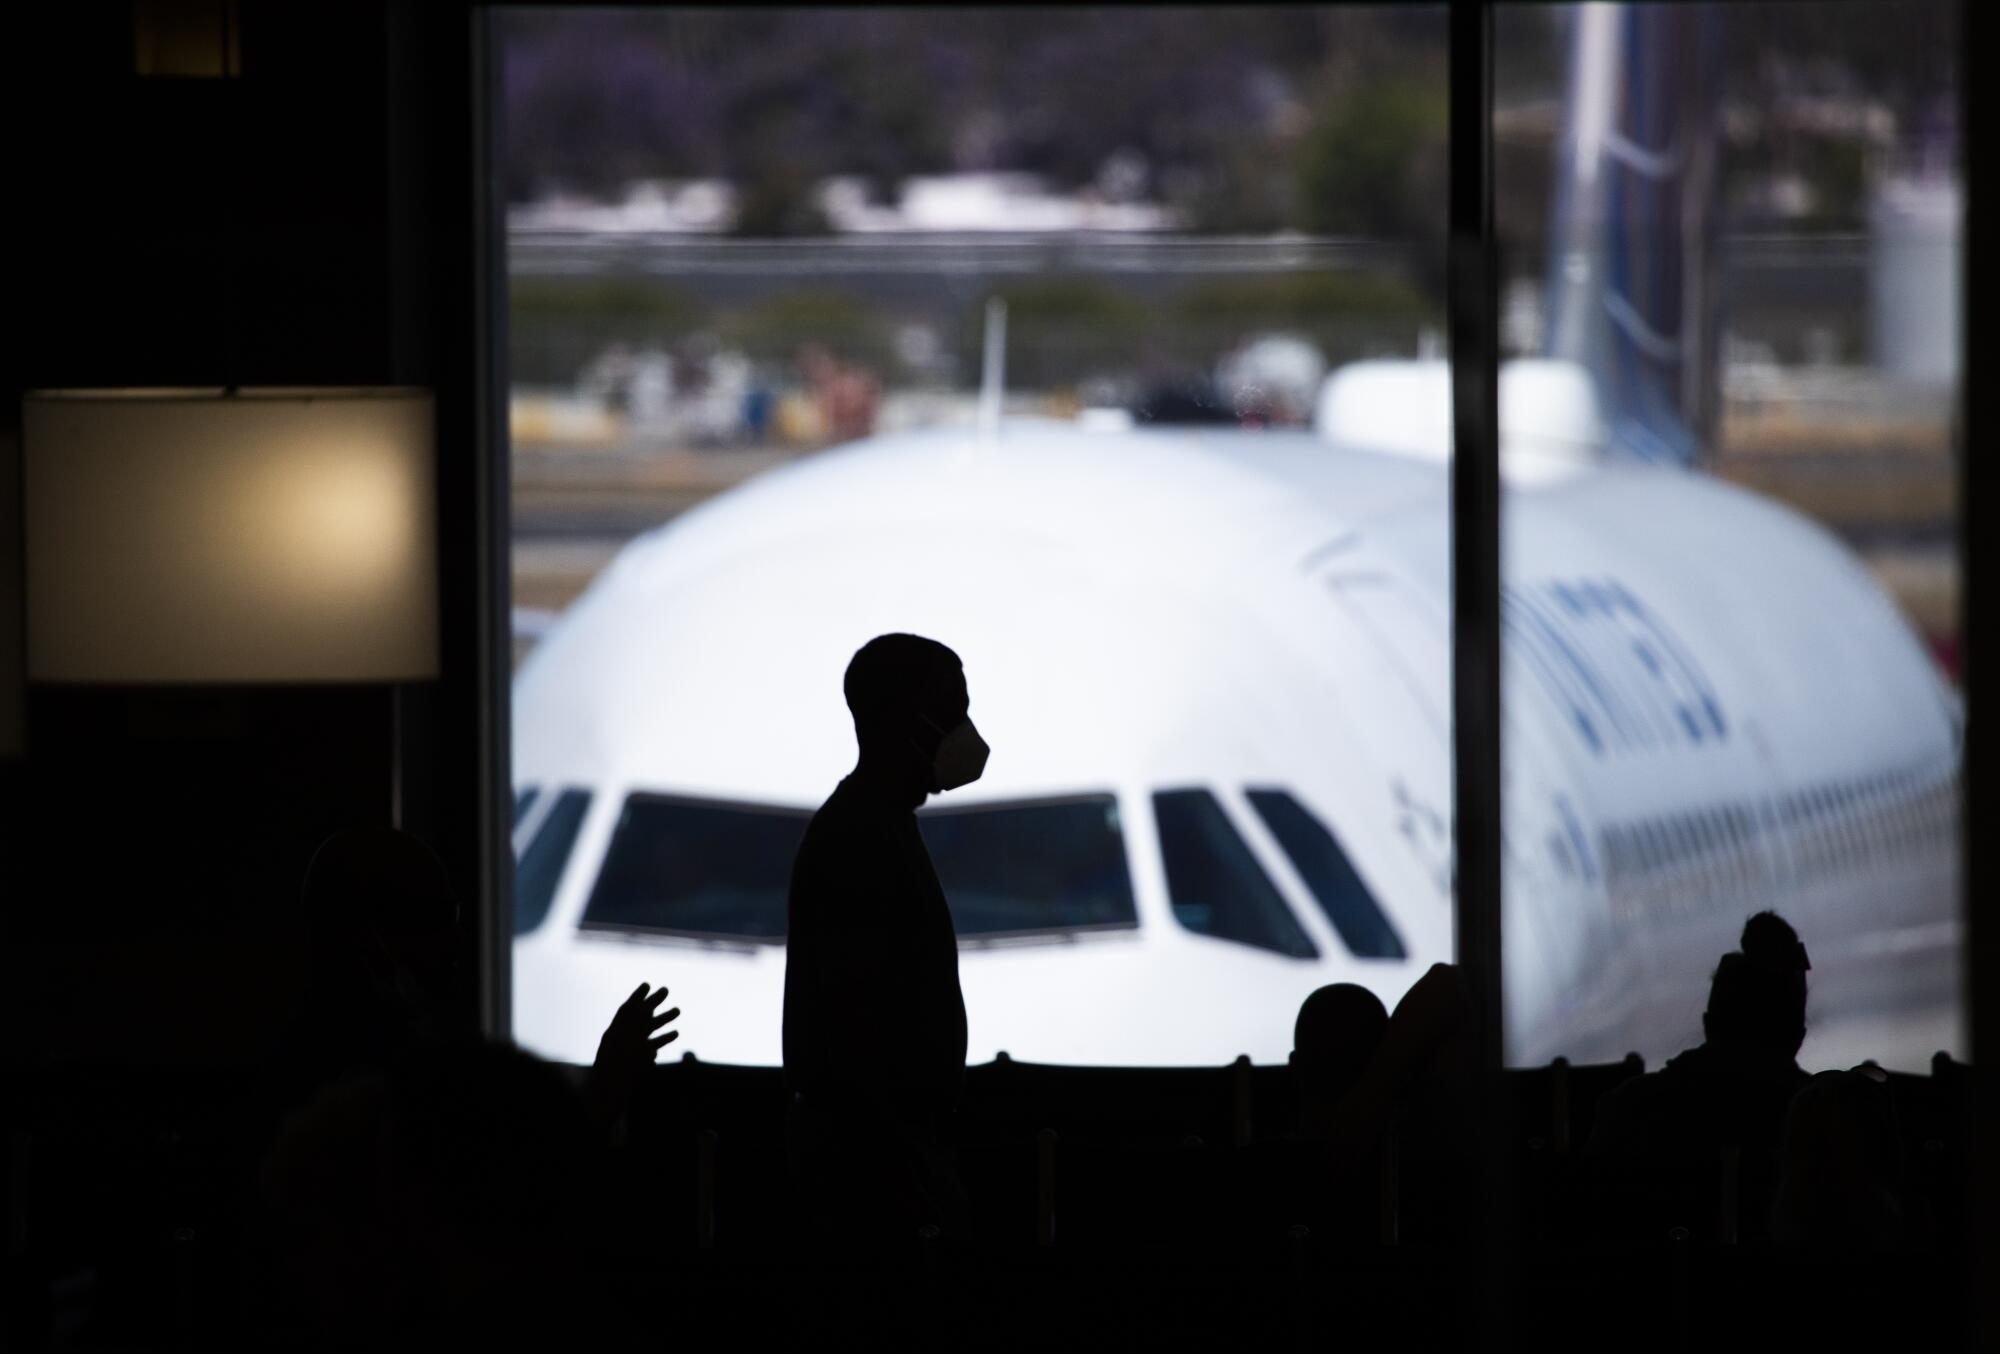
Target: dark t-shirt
[1700,1101]
[873,1012]
[1656,1149]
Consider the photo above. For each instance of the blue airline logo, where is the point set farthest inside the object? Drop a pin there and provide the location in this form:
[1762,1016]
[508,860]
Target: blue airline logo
[1624,679]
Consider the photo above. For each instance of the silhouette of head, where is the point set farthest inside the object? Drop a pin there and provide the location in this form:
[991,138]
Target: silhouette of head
[1758,996]
[1339,1027]
[379,904]
[909,702]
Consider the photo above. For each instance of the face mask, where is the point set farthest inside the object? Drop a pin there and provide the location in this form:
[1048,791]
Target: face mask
[960,757]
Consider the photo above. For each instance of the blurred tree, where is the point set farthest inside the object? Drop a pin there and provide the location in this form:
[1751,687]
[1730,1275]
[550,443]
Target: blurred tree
[776,328]
[638,300]
[591,102]
[1248,190]
[1245,118]
[1374,162]
[1276,300]
[777,187]
[1903,53]
[1347,315]
[559,324]
[1061,330]
[776,98]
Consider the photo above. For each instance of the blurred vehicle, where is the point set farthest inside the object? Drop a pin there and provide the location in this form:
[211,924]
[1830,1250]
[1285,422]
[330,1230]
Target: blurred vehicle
[1185,401]
[1273,380]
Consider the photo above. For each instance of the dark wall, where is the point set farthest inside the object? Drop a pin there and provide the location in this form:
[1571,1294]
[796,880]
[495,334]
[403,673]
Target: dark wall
[310,222]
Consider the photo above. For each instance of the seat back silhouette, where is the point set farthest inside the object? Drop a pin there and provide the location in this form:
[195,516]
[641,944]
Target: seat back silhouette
[1165,1106]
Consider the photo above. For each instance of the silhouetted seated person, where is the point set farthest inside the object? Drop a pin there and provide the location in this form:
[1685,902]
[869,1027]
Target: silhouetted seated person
[382,1049]
[1429,1048]
[382,973]
[1660,1149]
[874,1026]
[383,977]
[1840,1175]
[1400,1152]
[1334,1039]
[436,1198]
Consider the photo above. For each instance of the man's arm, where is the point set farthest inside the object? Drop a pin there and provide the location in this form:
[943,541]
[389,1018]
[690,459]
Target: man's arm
[856,991]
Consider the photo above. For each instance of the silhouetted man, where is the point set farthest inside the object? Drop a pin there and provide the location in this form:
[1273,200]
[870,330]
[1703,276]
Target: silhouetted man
[874,1022]
[1660,1140]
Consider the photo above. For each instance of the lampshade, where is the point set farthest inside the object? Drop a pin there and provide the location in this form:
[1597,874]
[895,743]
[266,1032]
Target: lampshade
[256,536]
[13,667]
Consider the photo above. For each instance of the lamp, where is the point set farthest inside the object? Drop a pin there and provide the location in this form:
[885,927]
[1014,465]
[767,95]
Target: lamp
[178,536]
[13,668]
[187,38]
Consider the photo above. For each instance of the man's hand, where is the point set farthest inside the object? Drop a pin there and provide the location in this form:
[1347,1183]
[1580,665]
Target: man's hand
[630,1042]
[1428,1017]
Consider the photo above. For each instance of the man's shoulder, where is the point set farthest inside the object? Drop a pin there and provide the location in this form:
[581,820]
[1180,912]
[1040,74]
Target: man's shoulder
[838,840]
[848,811]
[1624,1120]
[1631,1102]
[835,815]
[1639,1090]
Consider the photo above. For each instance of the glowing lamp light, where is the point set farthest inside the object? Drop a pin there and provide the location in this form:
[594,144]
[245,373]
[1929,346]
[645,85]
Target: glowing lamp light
[255,536]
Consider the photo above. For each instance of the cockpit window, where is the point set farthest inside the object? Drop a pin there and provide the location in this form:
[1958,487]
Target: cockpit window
[524,799]
[1216,885]
[723,871]
[1026,869]
[1335,884]
[541,864]
[697,868]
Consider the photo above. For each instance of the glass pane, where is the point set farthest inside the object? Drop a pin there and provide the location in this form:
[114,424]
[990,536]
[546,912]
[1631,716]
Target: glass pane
[1730,590]
[1025,868]
[524,800]
[541,865]
[698,869]
[1335,885]
[1217,887]
[1102,344]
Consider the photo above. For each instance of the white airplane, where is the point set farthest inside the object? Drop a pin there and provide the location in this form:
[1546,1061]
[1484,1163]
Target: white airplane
[1213,668]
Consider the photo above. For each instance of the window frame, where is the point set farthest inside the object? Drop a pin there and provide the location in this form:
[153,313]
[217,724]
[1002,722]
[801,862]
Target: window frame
[1298,876]
[980,940]
[475,568]
[530,836]
[1298,906]
[586,928]
[1056,934]
[527,798]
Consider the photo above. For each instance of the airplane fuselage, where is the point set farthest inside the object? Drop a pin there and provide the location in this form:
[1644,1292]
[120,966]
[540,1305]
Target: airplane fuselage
[1710,708]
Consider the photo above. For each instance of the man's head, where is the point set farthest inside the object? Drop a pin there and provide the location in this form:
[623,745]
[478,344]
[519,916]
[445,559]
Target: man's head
[1339,1027]
[1758,996]
[381,898]
[909,702]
